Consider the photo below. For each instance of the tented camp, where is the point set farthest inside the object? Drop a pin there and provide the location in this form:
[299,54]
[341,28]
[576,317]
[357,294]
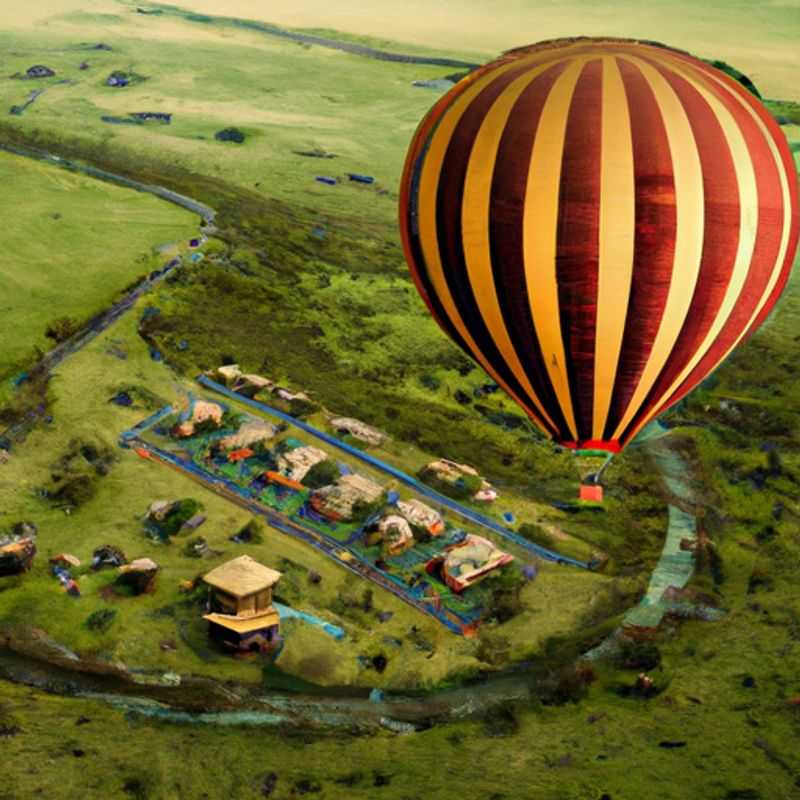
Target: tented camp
[467,562]
[296,463]
[200,411]
[422,515]
[338,501]
[358,430]
[240,611]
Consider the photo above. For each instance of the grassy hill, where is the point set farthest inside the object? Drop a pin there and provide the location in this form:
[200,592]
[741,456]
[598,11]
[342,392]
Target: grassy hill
[306,283]
[71,245]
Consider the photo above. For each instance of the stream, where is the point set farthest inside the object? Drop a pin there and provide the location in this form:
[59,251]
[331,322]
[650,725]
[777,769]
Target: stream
[32,659]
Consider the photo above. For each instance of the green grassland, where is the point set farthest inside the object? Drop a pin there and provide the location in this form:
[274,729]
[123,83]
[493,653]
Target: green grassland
[739,742]
[70,246]
[284,97]
[337,316]
[557,601]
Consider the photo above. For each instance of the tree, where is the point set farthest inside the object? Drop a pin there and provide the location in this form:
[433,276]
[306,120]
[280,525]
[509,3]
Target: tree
[61,329]
[506,590]
[323,473]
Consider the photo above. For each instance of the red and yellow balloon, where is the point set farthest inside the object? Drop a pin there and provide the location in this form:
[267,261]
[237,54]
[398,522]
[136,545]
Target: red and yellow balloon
[599,223]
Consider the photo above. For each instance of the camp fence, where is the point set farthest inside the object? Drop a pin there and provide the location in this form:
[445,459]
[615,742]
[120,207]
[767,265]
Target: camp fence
[460,623]
[421,488]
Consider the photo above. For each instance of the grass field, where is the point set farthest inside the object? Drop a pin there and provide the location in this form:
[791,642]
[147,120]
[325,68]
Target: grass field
[82,387]
[284,97]
[71,245]
[307,285]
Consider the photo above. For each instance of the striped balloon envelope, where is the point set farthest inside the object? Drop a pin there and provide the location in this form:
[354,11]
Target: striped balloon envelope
[598,223]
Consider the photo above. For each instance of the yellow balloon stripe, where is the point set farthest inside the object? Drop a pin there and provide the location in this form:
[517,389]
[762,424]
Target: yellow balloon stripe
[428,186]
[617,229]
[787,224]
[748,224]
[689,203]
[475,225]
[540,224]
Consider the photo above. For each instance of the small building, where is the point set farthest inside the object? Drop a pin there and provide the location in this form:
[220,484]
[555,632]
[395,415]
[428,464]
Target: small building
[250,384]
[469,561]
[422,515]
[65,561]
[240,611]
[139,575]
[227,373]
[159,509]
[288,395]
[358,430]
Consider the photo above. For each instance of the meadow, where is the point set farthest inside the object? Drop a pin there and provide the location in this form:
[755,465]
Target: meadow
[74,245]
[306,283]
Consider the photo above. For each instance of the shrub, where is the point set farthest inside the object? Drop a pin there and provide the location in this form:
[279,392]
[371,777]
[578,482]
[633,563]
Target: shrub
[501,720]
[300,408]
[505,586]
[493,649]
[9,724]
[570,684]
[181,512]
[321,474]
[462,489]
[61,329]
[536,534]
[74,491]
[101,620]
[251,533]
[196,547]
[363,510]
[641,656]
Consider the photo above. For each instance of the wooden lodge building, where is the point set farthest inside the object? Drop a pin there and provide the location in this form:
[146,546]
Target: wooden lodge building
[241,615]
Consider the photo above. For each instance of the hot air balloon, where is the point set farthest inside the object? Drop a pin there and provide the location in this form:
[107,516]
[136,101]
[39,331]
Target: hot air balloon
[599,223]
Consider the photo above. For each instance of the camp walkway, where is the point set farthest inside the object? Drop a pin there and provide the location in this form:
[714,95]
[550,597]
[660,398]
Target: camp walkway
[463,511]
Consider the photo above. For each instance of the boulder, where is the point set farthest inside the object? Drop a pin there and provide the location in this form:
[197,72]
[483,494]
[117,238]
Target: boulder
[230,135]
[108,555]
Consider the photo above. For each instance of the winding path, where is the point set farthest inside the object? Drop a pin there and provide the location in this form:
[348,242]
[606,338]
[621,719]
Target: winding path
[99,323]
[307,38]
[65,673]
